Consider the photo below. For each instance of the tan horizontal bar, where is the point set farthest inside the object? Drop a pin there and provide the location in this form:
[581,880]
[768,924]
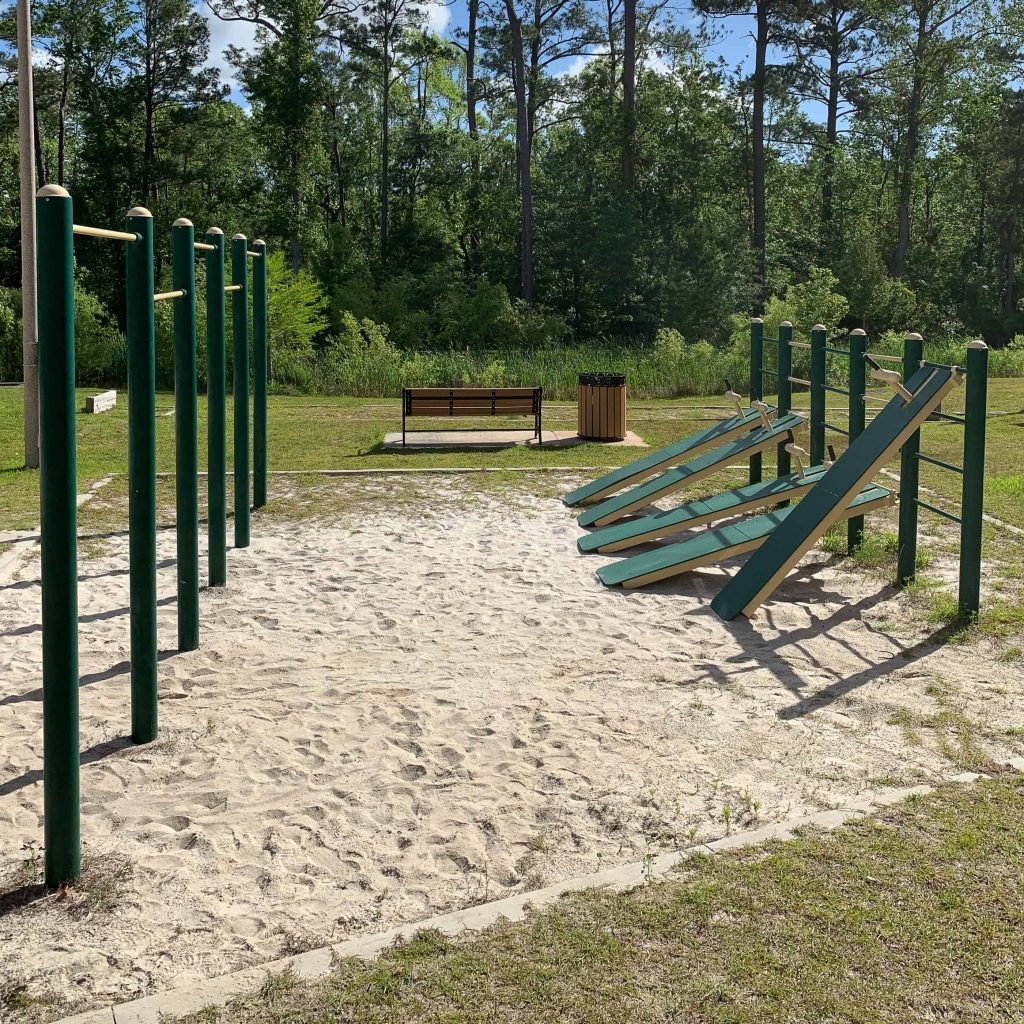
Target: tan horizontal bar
[800,380]
[249,252]
[232,287]
[118,236]
[160,296]
[204,247]
[885,359]
[799,344]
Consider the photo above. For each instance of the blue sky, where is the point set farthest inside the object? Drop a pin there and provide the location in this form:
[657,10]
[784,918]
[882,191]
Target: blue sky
[735,45]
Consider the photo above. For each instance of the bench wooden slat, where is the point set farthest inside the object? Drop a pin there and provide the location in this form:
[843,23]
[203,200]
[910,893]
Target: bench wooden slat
[471,392]
[421,409]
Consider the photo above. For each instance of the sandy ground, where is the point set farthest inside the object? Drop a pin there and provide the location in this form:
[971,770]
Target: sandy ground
[436,706]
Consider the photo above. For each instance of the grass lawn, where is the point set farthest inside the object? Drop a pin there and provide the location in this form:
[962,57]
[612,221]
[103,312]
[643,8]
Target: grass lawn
[915,915]
[346,433]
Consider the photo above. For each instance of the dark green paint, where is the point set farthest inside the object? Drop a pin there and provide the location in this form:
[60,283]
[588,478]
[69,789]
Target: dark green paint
[216,439]
[240,379]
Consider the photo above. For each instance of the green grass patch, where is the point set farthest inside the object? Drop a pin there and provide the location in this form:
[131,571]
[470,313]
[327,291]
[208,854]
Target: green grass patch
[914,915]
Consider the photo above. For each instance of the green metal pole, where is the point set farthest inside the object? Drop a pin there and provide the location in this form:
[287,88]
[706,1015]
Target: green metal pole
[216,440]
[972,507]
[784,365]
[817,395]
[141,331]
[856,420]
[259,375]
[756,383]
[186,459]
[240,378]
[55,267]
[906,568]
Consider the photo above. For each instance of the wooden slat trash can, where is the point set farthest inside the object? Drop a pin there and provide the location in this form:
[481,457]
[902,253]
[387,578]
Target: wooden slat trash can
[601,399]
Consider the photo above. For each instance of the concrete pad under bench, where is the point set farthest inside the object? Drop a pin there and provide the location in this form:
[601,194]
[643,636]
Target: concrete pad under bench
[419,440]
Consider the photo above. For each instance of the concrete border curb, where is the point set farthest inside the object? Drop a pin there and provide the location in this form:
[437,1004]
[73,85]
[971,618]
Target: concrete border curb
[318,963]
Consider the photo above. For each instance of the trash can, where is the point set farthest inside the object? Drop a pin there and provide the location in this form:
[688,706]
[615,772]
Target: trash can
[601,398]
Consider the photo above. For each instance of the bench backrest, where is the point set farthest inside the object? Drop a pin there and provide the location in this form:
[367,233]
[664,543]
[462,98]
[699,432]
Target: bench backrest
[471,401]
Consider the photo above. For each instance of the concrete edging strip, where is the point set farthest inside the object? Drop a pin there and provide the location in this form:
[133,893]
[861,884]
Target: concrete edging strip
[318,963]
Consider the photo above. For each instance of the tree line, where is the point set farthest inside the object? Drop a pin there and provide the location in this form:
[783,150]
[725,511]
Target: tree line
[553,170]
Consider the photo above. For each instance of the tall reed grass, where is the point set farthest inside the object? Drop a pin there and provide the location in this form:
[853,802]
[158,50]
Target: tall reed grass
[663,370]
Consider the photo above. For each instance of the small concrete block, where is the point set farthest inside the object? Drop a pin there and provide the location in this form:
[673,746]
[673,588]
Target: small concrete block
[103,402]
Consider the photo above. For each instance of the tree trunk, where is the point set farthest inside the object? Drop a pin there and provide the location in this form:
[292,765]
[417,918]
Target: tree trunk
[629,91]
[522,156]
[757,149]
[475,262]
[385,145]
[828,171]
[905,187]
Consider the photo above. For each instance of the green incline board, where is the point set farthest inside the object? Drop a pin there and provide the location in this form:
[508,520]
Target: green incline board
[824,505]
[715,545]
[629,534]
[672,479]
[655,462]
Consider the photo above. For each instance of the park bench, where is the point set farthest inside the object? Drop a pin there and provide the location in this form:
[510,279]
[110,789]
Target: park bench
[444,402]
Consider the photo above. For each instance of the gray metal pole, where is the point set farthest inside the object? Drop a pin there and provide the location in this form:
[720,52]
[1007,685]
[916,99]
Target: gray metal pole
[26,140]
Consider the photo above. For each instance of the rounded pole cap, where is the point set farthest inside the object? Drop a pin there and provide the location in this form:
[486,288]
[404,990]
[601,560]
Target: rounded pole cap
[756,320]
[914,336]
[819,327]
[215,231]
[785,323]
[259,241]
[182,222]
[53,192]
[977,343]
[859,331]
[238,238]
[139,211]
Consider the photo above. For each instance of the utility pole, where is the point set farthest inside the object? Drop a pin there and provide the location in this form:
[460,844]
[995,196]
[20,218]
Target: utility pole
[29,337]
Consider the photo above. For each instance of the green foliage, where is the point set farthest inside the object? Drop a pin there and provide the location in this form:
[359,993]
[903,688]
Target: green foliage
[813,301]
[10,335]
[101,355]
[296,317]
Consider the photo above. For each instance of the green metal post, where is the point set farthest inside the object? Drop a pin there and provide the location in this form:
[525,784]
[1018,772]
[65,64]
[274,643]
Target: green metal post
[756,383]
[240,378]
[55,266]
[216,441]
[141,332]
[186,465]
[856,420]
[817,396]
[259,374]
[784,365]
[906,562]
[972,508]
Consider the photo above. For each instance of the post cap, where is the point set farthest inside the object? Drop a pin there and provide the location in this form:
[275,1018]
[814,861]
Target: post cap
[756,320]
[238,237]
[214,231]
[819,327]
[914,336]
[51,191]
[859,331]
[785,323]
[977,343]
[182,222]
[259,241]
[139,211]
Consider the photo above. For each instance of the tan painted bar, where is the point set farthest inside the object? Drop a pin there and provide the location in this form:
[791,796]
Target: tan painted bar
[204,247]
[117,236]
[160,296]
[232,287]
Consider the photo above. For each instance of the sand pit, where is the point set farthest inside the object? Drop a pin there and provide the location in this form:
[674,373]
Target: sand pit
[436,705]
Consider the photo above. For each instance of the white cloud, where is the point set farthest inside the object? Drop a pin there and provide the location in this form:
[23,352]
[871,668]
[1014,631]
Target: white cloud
[438,15]
[224,34]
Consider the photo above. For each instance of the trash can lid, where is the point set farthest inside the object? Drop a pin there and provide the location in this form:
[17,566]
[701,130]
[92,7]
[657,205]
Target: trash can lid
[606,380]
